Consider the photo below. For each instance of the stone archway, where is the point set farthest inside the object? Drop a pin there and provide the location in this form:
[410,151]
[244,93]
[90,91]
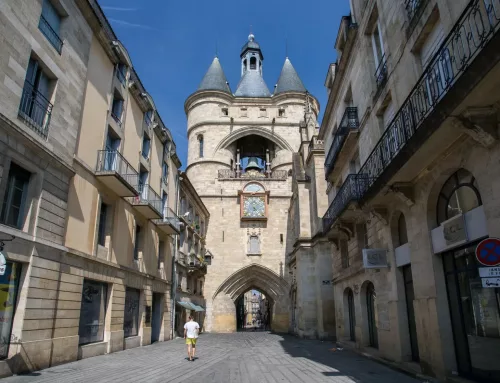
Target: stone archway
[223,310]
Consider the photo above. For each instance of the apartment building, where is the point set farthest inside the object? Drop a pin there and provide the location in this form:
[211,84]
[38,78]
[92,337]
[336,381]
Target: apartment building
[193,257]
[88,175]
[412,163]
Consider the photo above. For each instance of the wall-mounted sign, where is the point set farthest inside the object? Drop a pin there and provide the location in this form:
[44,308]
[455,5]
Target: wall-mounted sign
[491,282]
[454,231]
[3,264]
[489,272]
[488,252]
[374,258]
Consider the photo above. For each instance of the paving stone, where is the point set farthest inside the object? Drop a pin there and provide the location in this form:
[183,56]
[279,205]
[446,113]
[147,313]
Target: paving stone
[251,357]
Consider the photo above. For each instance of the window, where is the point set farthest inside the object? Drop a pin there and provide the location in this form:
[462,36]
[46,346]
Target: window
[253,63]
[254,244]
[263,112]
[344,253]
[459,195]
[121,73]
[92,312]
[101,230]
[225,112]
[117,109]
[146,147]
[161,253]
[244,112]
[379,55]
[164,204]
[137,242]
[200,146]
[281,112]
[15,197]
[35,107]
[148,118]
[50,25]
[183,205]
[131,314]
[143,181]
[402,232]
[164,173]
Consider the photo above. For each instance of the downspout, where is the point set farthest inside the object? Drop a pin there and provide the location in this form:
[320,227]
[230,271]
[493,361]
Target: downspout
[174,268]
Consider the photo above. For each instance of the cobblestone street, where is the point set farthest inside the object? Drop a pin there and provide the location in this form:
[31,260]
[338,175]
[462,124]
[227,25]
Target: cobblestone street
[243,357]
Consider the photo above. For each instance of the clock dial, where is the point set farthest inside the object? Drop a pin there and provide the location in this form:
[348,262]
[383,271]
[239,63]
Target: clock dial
[254,207]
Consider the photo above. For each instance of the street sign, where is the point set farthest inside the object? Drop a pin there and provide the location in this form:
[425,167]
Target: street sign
[374,258]
[488,252]
[489,272]
[491,282]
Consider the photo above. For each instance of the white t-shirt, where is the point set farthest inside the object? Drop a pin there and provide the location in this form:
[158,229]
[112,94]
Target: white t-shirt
[191,327]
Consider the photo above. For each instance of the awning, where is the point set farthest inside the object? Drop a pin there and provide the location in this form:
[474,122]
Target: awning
[190,306]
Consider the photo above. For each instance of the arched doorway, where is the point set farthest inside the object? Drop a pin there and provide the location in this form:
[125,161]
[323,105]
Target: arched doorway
[370,309]
[253,311]
[351,314]
[230,300]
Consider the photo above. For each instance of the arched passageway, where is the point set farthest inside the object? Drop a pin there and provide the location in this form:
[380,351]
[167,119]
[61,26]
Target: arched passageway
[228,298]
[253,311]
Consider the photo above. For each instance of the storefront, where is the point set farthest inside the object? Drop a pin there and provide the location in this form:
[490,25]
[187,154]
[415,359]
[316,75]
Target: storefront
[9,285]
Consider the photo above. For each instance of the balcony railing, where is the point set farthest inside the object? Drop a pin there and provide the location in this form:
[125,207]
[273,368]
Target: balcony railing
[276,175]
[147,196]
[381,75]
[35,109]
[352,190]
[169,218]
[116,118]
[349,122]
[111,161]
[50,34]
[478,24]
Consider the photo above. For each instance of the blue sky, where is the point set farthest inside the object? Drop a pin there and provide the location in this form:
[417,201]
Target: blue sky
[172,44]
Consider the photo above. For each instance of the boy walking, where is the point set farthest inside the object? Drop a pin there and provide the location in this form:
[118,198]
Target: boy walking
[191,329]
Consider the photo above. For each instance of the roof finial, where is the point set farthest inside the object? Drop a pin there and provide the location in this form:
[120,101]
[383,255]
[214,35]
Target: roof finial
[286,50]
[217,48]
[251,36]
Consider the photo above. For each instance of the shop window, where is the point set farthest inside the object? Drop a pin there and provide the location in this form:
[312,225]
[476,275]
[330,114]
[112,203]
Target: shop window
[10,286]
[131,314]
[15,197]
[459,195]
[92,312]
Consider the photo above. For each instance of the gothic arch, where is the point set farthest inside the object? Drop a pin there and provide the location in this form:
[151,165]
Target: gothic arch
[253,130]
[254,276]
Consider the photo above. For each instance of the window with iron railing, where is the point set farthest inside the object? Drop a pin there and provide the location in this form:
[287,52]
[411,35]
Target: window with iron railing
[117,109]
[50,25]
[121,73]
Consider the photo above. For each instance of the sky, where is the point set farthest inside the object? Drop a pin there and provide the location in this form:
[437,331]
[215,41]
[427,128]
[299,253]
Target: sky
[172,44]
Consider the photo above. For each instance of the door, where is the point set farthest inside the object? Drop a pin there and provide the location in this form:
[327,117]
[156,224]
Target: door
[9,286]
[352,316]
[372,324]
[410,297]
[112,146]
[475,316]
[156,318]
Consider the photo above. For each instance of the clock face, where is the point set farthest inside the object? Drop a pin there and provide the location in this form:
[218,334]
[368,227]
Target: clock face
[254,207]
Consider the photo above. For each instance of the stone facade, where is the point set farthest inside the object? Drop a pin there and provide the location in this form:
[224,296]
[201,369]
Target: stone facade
[407,115]
[75,238]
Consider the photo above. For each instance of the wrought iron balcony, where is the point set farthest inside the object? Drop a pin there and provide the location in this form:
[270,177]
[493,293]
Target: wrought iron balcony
[348,125]
[352,190]
[232,175]
[50,34]
[35,109]
[148,202]
[170,223]
[477,26]
[116,173]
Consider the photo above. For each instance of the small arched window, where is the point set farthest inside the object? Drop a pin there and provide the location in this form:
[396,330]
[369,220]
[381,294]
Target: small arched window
[253,63]
[402,231]
[459,195]
[200,146]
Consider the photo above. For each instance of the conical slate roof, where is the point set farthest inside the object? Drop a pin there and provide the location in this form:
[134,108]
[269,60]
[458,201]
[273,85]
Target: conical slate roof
[215,79]
[252,85]
[289,80]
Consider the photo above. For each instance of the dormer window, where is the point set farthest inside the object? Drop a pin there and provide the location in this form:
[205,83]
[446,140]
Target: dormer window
[253,63]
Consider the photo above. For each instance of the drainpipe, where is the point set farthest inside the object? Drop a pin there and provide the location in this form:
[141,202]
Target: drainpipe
[174,268]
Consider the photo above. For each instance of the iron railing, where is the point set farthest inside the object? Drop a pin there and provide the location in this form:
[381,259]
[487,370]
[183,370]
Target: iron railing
[349,122]
[381,75]
[50,34]
[352,190]
[147,196]
[169,217]
[35,109]
[120,76]
[275,175]
[116,118]
[414,9]
[111,161]
[474,29]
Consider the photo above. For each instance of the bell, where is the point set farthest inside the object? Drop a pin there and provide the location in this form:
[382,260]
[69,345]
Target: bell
[253,164]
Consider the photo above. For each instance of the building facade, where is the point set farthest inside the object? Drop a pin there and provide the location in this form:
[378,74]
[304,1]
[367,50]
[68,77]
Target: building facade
[411,141]
[88,179]
[240,161]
